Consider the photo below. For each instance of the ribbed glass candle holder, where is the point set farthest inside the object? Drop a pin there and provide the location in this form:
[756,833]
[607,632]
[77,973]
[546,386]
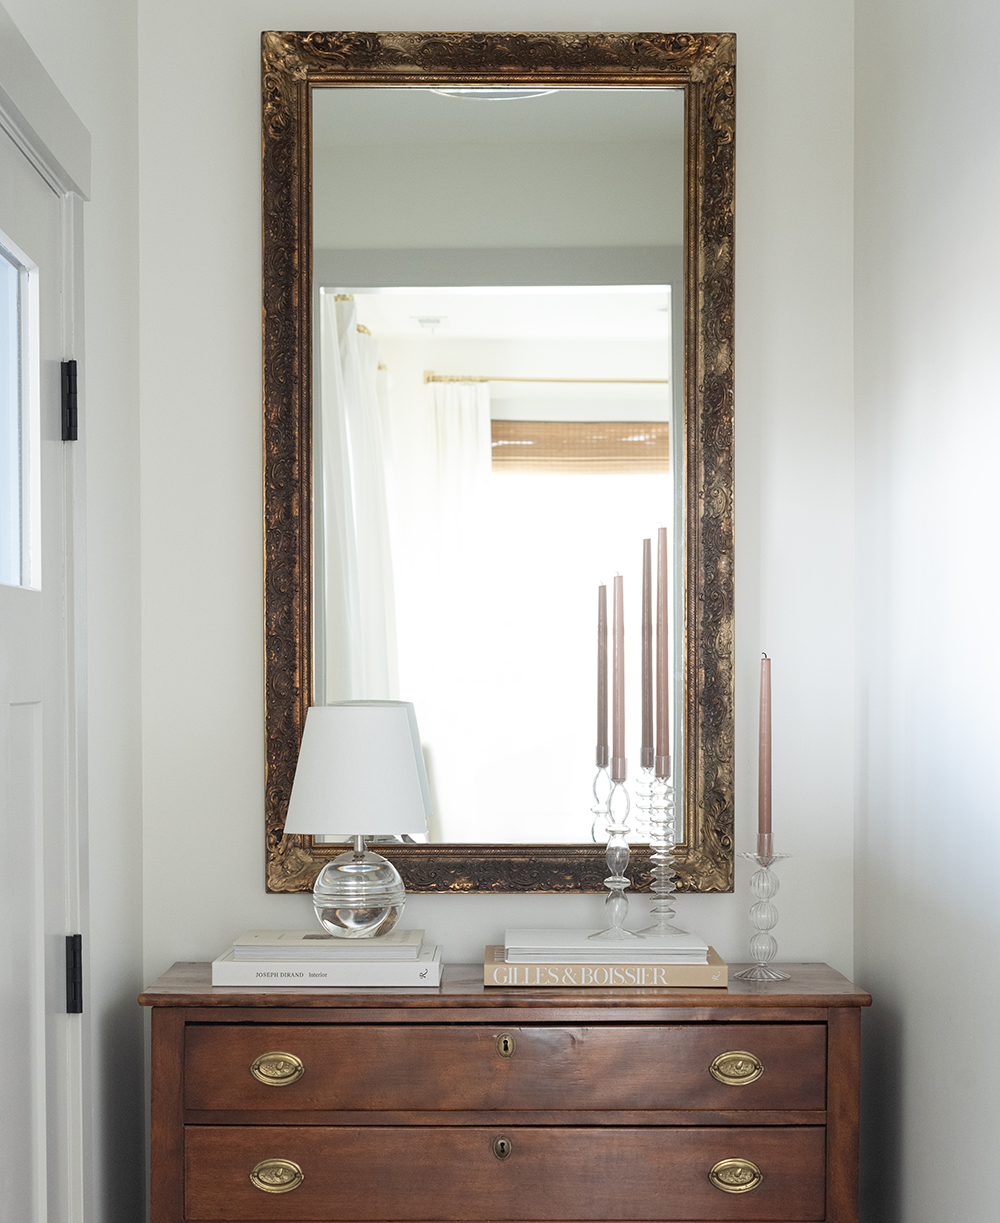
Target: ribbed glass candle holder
[763,914]
[662,838]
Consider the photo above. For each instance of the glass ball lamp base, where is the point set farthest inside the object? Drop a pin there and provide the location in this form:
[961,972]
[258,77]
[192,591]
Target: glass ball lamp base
[358,894]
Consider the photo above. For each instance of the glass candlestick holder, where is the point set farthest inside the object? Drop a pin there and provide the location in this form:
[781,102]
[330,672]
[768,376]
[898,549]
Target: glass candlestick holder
[662,838]
[764,885]
[618,854]
[601,790]
[645,783]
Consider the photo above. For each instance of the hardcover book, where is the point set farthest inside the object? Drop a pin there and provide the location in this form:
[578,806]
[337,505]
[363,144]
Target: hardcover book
[315,945]
[289,974]
[576,947]
[497,970]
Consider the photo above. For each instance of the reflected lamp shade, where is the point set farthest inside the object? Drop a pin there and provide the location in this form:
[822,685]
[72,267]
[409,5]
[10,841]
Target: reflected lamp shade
[360,773]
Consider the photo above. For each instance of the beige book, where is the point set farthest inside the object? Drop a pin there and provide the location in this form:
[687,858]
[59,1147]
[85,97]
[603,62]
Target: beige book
[713,975]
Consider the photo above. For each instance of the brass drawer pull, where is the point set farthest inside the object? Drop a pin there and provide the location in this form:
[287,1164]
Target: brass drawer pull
[506,1045]
[735,1175]
[737,1068]
[278,1069]
[502,1147]
[277,1176]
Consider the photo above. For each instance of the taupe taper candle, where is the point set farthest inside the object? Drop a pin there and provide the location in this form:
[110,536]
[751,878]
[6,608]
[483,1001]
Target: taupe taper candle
[662,759]
[764,763]
[646,753]
[618,767]
[602,677]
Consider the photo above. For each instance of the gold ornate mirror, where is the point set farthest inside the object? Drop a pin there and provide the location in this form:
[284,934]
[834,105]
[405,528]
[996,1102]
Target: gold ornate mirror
[639,130]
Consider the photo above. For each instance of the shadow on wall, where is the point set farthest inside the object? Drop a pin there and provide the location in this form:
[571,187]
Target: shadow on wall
[121,1177]
[881,1113]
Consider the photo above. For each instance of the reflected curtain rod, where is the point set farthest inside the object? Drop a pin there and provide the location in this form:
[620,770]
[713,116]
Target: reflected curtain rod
[430,376]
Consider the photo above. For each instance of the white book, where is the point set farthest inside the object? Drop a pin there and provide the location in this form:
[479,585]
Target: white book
[283,974]
[315,945]
[575,947]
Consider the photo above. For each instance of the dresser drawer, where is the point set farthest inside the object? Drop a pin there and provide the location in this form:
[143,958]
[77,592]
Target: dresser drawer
[387,1173]
[480,1068]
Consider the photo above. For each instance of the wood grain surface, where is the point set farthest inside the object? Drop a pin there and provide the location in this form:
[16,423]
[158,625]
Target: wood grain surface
[377,1174]
[607,1102]
[418,1066]
[811,985]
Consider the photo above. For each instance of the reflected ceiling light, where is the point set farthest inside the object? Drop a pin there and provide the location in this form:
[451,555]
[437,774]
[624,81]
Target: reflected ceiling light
[493,95]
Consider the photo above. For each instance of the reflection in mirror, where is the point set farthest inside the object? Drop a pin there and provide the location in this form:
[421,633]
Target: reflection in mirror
[497,409]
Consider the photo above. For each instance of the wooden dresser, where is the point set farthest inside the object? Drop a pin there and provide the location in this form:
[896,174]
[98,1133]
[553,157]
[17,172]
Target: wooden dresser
[461,1103]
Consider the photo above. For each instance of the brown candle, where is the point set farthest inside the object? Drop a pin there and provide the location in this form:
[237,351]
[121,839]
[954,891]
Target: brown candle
[646,754]
[662,760]
[602,677]
[764,763]
[618,769]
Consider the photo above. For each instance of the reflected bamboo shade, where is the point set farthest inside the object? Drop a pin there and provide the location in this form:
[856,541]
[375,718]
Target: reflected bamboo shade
[596,447]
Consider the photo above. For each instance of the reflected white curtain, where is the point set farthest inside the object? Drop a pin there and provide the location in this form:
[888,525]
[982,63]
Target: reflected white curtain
[355,635]
[459,424]
[443,473]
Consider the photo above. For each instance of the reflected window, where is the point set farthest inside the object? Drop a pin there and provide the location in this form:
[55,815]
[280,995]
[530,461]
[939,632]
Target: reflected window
[484,461]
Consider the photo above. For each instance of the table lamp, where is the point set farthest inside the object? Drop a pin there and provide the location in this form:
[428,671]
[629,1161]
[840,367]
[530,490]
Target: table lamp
[360,766]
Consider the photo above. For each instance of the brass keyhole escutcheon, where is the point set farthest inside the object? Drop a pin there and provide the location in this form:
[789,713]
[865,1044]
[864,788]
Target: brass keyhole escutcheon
[505,1044]
[277,1069]
[502,1147]
[735,1175]
[737,1068]
[277,1176]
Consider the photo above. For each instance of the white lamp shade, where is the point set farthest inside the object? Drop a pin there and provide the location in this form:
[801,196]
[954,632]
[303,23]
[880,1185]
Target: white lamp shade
[360,770]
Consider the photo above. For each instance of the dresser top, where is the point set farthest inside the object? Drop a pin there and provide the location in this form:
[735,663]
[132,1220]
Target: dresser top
[810,985]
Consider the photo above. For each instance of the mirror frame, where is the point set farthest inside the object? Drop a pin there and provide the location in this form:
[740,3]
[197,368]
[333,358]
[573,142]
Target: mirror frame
[704,66]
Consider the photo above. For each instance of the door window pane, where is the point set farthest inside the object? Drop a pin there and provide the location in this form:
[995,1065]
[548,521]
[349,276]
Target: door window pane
[19,419]
[11,444]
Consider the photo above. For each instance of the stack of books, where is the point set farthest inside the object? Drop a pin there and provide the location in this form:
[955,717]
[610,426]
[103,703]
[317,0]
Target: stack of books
[282,959]
[572,958]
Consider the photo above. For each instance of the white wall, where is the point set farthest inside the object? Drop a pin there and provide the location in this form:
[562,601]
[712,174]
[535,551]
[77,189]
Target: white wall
[201,500]
[504,196]
[928,411]
[570,169]
[926,332]
[196,241]
[89,48]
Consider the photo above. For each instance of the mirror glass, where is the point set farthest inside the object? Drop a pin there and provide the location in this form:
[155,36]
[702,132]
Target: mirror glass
[497,424]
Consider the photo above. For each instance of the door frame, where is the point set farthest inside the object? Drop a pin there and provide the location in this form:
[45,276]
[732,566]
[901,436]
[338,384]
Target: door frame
[56,145]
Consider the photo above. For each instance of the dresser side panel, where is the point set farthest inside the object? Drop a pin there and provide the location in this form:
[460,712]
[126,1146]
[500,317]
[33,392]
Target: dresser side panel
[166,1178]
[843,1108]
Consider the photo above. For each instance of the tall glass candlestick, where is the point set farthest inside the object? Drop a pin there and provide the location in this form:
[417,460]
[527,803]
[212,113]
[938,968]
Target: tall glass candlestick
[644,779]
[618,854]
[662,839]
[764,916]
[662,828]
[601,790]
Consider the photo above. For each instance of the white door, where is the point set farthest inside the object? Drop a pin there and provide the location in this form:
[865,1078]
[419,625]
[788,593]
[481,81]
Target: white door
[39,872]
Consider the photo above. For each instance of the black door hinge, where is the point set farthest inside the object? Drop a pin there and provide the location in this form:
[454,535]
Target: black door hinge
[70,414]
[74,974]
